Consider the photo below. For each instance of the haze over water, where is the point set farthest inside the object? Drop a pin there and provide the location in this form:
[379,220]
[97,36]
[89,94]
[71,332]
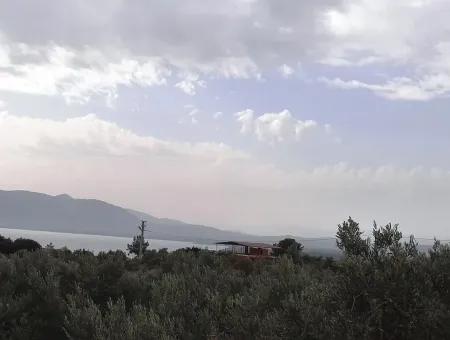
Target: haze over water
[95,243]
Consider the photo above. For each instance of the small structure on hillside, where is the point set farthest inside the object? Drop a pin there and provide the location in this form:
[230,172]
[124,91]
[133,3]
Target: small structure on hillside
[248,248]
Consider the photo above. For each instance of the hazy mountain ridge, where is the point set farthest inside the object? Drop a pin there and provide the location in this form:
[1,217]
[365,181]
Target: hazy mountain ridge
[62,213]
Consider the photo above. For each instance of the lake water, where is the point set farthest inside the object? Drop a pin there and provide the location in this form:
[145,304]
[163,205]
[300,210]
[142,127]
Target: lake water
[95,243]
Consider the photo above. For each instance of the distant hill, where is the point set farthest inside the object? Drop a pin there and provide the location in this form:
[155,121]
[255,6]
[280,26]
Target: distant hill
[168,229]
[62,213]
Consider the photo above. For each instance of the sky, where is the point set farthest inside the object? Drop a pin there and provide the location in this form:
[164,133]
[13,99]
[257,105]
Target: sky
[263,116]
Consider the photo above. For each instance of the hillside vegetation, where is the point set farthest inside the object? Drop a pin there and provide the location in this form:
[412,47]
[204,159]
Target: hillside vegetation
[381,289]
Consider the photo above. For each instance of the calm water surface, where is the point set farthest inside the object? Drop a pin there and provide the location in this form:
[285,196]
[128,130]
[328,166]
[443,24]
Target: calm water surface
[94,243]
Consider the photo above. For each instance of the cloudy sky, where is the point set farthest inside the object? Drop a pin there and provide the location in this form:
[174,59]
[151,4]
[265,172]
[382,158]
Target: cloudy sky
[256,115]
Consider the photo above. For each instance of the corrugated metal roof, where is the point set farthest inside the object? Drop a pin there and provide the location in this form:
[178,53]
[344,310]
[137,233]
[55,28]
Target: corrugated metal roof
[247,244]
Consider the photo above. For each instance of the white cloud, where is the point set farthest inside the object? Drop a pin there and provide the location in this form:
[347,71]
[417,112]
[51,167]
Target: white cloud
[134,47]
[246,119]
[428,87]
[280,127]
[218,115]
[192,115]
[77,76]
[198,41]
[190,83]
[193,112]
[397,88]
[343,62]
[383,28]
[394,35]
[4,56]
[430,80]
[89,135]
[276,127]
[232,68]
[286,71]
[186,86]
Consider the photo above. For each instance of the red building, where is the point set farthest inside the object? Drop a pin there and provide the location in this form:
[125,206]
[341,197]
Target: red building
[248,248]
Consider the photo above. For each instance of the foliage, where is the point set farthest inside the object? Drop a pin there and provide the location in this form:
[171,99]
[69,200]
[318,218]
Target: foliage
[349,240]
[7,246]
[381,289]
[287,243]
[133,247]
[290,247]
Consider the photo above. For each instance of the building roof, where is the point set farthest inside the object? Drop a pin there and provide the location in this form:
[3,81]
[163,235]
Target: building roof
[247,244]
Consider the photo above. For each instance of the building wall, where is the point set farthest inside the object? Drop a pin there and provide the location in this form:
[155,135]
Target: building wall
[238,249]
[245,250]
[260,251]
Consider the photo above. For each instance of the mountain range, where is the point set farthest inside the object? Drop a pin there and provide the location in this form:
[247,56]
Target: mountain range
[63,213]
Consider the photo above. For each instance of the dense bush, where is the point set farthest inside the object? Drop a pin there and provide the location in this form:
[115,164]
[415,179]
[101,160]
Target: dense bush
[381,289]
[7,246]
